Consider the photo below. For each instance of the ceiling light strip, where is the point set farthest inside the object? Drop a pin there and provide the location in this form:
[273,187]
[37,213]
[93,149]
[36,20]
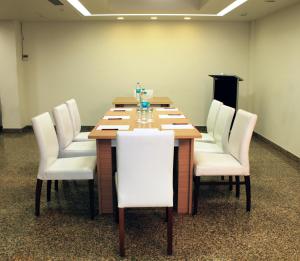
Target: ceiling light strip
[231,7]
[146,15]
[81,8]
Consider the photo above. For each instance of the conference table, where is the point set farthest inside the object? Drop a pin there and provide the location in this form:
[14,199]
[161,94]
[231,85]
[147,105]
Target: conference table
[106,153]
[132,101]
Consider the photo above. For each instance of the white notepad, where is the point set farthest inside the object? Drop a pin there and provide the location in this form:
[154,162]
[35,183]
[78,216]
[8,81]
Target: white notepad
[166,109]
[170,116]
[113,127]
[121,109]
[116,117]
[176,127]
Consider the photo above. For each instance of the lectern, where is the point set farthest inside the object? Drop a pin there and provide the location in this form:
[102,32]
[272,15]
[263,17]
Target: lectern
[226,89]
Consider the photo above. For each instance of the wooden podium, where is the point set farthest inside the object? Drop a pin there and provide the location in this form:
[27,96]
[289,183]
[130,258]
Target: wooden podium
[226,89]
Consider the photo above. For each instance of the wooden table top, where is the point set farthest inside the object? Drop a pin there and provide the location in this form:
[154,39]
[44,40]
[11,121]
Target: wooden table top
[133,101]
[132,122]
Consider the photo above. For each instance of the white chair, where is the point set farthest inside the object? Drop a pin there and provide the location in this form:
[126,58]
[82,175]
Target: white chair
[221,133]
[76,121]
[65,134]
[53,168]
[211,121]
[144,175]
[234,163]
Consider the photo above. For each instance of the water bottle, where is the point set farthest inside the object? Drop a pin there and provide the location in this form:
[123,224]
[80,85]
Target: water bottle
[138,93]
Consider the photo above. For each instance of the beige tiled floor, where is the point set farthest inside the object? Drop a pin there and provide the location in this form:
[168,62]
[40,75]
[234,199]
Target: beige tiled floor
[222,230]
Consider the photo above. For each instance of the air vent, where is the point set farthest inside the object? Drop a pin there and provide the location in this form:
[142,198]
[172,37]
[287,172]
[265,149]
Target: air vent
[56,2]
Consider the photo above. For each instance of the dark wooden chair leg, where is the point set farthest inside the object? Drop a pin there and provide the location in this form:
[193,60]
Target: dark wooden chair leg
[196,194]
[122,231]
[170,230]
[38,191]
[248,193]
[230,183]
[56,185]
[115,203]
[49,182]
[237,186]
[92,203]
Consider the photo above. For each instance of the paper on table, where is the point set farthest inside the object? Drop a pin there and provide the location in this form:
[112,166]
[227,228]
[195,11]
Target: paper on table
[170,116]
[113,127]
[176,127]
[121,109]
[166,109]
[116,117]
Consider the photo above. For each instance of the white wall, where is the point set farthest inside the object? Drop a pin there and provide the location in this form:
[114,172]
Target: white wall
[275,85]
[97,61]
[11,88]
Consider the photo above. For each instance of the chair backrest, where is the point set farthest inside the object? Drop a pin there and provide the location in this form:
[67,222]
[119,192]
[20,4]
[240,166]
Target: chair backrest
[145,168]
[212,116]
[64,126]
[223,124]
[75,116]
[47,141]
[240,136]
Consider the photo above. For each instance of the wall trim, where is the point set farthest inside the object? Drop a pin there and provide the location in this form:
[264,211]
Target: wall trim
[277,147]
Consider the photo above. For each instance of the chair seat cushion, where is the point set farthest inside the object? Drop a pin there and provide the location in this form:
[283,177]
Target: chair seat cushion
[78,149]
[82,136]
[72,168]
[216,164]
[205,137]
[208,147]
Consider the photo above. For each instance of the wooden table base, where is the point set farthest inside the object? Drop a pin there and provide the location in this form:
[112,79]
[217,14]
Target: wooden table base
[106,167]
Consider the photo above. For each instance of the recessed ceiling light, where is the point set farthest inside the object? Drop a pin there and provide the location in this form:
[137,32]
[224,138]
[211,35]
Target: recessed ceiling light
[153,17]
[120,18]
[187,18]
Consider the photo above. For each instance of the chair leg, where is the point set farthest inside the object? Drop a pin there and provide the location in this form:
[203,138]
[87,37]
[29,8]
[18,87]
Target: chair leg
[196,194]
[122,231]
[170,230]
[49,182]
[38,191]
[230,183]
[56,185]
[115,203]
[91,193]
[248,193]
[237,186]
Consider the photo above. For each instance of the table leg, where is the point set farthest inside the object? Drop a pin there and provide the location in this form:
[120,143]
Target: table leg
[185,176]
[104,169]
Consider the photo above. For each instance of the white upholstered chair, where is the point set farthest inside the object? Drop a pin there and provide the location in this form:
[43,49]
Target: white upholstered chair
[144,175]
[234,163]
[64,129]
[221,133]
[53,168]
[211,121]
[76,121]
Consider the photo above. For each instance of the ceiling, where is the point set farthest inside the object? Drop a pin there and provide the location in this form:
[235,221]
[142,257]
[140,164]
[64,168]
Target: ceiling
[43,10]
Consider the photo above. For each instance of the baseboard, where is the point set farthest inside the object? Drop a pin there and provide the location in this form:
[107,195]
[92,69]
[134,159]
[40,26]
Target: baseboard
[201,128]
[277,147]
[28,128]
[87,128]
